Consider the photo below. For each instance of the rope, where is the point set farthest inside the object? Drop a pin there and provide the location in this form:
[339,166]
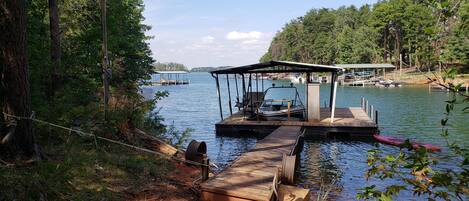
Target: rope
[84,134]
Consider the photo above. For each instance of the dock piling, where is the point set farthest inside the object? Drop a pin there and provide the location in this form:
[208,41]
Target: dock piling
[366,107]
[371,112]
[205,167]
[376,117]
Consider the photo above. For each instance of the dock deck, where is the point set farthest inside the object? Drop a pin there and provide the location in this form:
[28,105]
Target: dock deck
[250,176]
[348,122]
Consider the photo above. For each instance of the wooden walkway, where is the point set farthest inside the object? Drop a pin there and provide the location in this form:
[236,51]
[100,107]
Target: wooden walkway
[250,176]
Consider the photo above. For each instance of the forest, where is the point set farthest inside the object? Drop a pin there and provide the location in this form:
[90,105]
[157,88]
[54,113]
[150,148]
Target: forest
[427,34]
[71,70]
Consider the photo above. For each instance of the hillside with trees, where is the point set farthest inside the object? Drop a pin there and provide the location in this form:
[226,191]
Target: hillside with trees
[171,66]
[427,34]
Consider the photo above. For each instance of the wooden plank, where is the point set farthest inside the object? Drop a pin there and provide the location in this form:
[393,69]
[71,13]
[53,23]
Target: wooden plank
[250,176]
[348,117]
[209,196]
[293,193]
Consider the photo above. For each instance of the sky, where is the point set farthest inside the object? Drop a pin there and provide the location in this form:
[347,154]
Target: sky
[200,33]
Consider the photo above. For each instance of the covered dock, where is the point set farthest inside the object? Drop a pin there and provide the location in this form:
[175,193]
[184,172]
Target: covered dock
[268,171]
[355,122]
[171,78]
[363,74]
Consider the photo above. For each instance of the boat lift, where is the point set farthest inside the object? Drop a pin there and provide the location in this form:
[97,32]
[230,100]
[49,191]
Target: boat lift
[251,73]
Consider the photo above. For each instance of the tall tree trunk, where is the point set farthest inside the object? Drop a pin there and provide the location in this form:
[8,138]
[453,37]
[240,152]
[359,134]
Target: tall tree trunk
[105,59]
[385,45]
[15,77]
[55,51]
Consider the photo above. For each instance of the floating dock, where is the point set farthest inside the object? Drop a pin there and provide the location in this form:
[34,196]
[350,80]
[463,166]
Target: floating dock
[171,78]
[352,122]
[250,177]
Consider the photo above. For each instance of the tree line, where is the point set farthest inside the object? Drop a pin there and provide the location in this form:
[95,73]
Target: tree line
[170,66]
[421,33]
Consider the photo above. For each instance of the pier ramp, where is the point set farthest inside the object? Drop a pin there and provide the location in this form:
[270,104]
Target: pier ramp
[250,177]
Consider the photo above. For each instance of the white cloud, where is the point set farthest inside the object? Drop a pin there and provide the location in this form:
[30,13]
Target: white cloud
[208,39]
[234,35]
[251,41]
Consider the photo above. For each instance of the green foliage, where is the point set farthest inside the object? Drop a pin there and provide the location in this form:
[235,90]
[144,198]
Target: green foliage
[78,101]
[424,32]
[420,170]
[82,170]
[171,66]
[456,50]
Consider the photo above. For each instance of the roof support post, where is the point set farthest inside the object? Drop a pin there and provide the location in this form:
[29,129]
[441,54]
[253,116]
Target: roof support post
[250,90]
[257,83]
[333,100]
[237,90]
[333,79]
[229,93]
[219,96]
[244,94]
[262,80]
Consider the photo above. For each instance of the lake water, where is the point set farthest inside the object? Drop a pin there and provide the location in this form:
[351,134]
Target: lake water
[407,112]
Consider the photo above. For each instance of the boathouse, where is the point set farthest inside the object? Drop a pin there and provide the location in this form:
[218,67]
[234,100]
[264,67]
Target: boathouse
[356,122]
[171,78]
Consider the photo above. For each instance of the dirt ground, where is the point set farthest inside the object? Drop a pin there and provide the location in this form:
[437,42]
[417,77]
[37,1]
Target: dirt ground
[178,187]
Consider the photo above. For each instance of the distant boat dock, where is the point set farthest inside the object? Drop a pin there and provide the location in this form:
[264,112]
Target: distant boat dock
[171,78]
[366,75]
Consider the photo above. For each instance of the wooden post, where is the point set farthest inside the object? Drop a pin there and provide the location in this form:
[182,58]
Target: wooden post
[205,167]
[376,117]
[333,100]
[229,94]
[105,61]
[288,106]
[219,97]
[366,107]
[363,102]
[371,112]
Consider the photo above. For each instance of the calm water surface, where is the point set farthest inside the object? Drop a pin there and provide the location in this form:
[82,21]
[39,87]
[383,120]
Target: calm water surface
[407,112]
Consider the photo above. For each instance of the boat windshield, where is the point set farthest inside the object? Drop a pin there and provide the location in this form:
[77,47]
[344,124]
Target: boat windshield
[275,95]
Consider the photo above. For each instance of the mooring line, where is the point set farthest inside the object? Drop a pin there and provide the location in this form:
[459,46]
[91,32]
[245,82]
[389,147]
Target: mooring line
[84,134]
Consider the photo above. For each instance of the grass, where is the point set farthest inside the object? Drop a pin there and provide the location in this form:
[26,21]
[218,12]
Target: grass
[416,77]
[80,169]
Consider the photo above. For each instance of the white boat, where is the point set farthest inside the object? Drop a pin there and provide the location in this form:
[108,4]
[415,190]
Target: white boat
[273,107]
[296,79]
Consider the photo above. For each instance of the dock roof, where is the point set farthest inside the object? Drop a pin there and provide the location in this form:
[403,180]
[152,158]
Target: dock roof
[277,67]
[347,66]
[170,72]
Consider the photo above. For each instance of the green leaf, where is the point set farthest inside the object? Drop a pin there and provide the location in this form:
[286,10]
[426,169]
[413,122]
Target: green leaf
[443,121]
